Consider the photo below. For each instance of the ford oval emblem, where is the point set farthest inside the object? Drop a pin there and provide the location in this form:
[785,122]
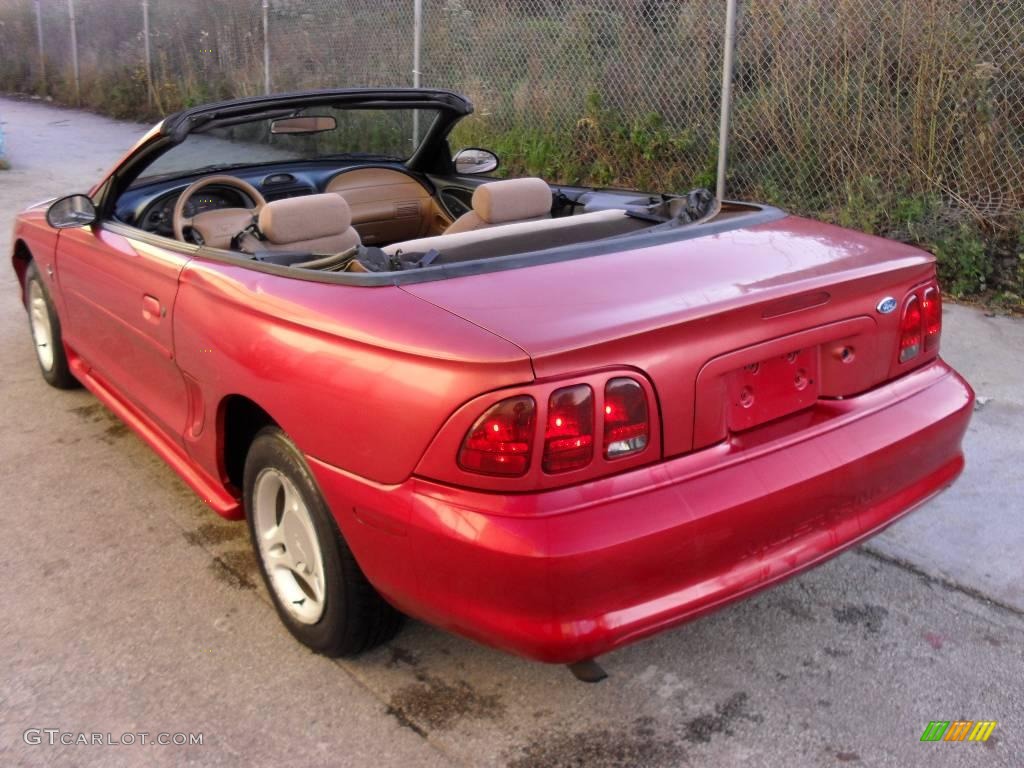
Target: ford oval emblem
[886,305]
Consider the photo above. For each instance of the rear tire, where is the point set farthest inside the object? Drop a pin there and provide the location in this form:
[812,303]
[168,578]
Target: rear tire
[46,334]
[318,589]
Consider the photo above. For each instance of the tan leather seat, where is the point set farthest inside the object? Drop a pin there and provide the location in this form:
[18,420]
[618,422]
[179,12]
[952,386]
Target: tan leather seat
[504,202]
[312,223]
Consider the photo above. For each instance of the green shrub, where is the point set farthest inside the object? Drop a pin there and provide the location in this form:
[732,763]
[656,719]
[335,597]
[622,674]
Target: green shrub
[599,147]
[964,263]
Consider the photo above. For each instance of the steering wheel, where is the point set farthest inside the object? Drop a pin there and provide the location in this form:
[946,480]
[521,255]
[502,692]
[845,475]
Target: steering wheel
[215,228]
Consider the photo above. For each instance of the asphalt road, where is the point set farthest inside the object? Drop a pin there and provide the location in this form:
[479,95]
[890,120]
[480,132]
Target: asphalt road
[132,608]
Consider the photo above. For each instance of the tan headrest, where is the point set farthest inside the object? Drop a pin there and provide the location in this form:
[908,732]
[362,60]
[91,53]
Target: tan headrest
[497,202]
[305,218]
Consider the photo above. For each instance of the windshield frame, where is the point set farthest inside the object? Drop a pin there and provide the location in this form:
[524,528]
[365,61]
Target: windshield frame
[262,143]
[432,156]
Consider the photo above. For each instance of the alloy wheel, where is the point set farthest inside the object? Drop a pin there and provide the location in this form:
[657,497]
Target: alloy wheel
[42,332]
[289,546]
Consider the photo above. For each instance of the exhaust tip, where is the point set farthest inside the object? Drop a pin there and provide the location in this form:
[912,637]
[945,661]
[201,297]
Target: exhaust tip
[588,671]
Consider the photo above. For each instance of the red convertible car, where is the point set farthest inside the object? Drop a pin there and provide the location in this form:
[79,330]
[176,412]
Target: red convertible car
[552,419]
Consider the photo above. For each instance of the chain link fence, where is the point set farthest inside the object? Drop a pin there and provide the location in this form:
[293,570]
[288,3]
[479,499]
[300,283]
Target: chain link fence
[866,109]
[836,99]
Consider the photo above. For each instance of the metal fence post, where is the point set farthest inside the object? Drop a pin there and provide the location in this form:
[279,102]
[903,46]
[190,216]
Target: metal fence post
[42,51]
[266,46]
[149,61]
[723,127]
[417,47]
[74,52]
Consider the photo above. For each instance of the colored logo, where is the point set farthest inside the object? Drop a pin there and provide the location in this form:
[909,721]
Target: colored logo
[886,305]
[958,730]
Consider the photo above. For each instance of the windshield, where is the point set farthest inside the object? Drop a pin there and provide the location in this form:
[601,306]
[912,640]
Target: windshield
[372,134]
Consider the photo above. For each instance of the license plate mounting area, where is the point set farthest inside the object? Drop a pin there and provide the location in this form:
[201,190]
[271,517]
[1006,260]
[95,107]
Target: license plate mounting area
[772,388]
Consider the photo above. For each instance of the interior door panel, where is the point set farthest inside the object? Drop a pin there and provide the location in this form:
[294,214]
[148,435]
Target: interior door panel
[457,201]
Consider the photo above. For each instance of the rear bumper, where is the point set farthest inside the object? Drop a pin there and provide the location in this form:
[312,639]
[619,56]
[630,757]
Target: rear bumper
[572,573]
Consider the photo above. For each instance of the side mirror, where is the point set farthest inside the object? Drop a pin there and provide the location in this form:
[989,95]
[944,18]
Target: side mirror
[474,160]
[70,212]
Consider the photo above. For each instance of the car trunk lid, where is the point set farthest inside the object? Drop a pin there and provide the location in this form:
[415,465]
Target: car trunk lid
[783,312]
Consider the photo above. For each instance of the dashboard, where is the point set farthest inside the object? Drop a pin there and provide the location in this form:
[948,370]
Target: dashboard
[158,215]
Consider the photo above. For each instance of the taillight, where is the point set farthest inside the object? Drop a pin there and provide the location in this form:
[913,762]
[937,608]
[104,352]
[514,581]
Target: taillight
[548,434]
[500,441]
[569,433]
[910,329]
[626,425]
[931,308]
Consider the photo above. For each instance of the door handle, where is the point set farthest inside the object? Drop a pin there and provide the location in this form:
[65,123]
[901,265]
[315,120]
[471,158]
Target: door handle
[152,310]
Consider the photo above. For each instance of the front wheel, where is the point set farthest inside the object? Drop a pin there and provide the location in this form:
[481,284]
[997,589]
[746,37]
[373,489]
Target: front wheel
[318,589]
[46,335]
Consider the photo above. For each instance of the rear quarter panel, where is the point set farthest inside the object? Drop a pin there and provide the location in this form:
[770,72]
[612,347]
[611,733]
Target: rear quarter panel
[360,378]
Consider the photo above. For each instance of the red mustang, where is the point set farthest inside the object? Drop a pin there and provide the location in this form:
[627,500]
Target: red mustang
[549,418]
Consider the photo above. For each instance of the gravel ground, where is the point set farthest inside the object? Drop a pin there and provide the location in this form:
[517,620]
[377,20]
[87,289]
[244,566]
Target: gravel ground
[134,608]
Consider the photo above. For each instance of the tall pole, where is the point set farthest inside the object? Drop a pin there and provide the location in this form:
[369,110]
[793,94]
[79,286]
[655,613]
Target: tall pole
[74,51]
[149,59]
[266,46]
[42,51]
[727,63]
[417,47]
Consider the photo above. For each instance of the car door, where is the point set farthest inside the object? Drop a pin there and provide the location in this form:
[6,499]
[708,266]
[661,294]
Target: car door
[119,295]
